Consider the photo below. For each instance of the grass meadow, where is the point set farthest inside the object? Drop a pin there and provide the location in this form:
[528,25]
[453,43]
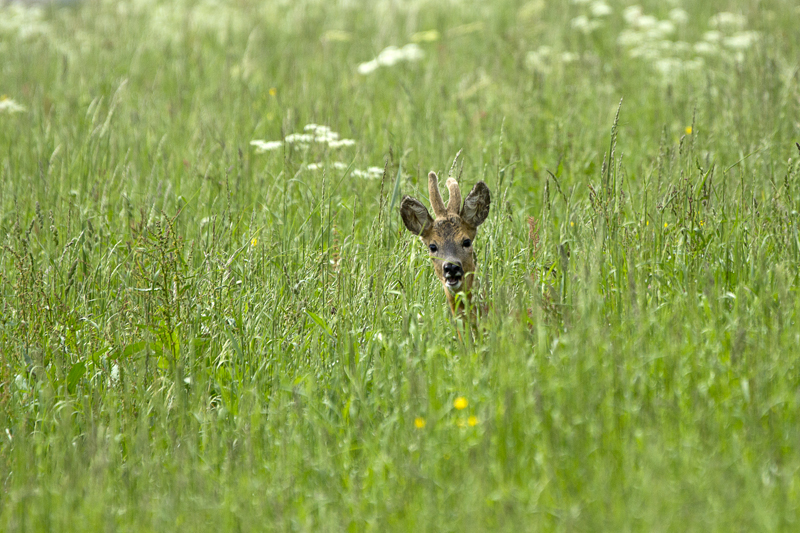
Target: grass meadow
[213,318]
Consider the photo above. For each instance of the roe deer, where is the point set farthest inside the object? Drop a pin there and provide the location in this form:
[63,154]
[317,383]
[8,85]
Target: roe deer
[449,236]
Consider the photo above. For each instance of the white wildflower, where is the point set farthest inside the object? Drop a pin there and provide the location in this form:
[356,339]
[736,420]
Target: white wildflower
[314,166]
[568,57]
[7,105]
[266,146]
[389,56]
[727,21]
[741,41]
[342,142]
[412,52]
[542,58]
[648,51]
[303,138]
[600,9]
[630,38]
[681,47]
[646,22]
[678,16]
[339,165]
[665,27]
[539,60]
[115,373]
[370,173]
[705,48]
[320,133]
[24,20]
[368,67]
[582,24]
[712,36]
[632,14]
[668,66]
[325,136]
[392,55]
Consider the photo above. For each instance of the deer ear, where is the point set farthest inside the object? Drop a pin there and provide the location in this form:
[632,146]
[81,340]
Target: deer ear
[415,215]
[476,206]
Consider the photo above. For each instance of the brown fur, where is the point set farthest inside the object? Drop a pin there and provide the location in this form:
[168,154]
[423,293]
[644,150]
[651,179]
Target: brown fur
[448,232]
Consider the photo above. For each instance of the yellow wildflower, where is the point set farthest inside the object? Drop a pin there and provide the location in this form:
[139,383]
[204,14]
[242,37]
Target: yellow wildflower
[688,130]
[460,403]
[254,241]
[419,422]
[273,91]
[472,420]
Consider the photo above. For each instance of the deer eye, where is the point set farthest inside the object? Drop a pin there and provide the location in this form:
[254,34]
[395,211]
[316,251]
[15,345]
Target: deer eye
[466,243]
[433,248]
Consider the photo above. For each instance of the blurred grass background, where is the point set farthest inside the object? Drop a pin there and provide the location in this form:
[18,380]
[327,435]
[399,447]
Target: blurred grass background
[199,334]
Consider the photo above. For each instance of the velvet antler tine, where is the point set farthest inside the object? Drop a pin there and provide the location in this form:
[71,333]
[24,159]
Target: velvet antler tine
[454,203]
[436,198]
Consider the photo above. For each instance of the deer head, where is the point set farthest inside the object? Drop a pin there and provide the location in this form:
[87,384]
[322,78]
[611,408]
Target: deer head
[449,236]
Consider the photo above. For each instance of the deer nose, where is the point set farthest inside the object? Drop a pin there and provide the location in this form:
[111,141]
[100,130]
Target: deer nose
[452,270]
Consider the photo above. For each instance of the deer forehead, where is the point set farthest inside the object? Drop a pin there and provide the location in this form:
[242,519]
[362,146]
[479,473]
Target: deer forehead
[450,229]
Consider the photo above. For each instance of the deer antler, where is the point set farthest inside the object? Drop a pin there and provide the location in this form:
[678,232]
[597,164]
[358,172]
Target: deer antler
[436,198]
[454,203]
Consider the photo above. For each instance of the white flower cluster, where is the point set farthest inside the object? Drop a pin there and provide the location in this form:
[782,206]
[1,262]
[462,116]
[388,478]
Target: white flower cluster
[544,59]
[591,21]
[648,38]
[23,20]
[390,56]
[168,22]
[321,135]
[728,21]
[728,33]
[266,146]
[370,173]
[646,35]
[313,133]
[7,105]
[338,165]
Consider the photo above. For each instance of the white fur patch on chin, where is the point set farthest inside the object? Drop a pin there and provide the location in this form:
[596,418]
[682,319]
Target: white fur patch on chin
[454,287]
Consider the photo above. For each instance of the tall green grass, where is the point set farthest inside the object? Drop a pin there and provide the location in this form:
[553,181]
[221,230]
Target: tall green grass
[197,335]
